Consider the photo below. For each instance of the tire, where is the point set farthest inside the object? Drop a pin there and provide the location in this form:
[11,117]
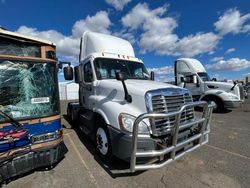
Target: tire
[219,107]
[69,113]
[72,116]
[103,141]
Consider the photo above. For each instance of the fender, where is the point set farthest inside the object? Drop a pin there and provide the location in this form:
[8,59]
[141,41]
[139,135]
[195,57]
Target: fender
[223,95]
[103,115]
[111,110]
[215,92]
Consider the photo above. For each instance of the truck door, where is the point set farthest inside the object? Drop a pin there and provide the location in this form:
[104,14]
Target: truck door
[87,90]
[191,86]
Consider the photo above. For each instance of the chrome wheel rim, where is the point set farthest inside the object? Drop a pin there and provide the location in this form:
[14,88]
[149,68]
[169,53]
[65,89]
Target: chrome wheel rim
[102,141]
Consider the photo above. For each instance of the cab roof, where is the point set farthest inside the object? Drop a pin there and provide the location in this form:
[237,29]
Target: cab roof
[92,42]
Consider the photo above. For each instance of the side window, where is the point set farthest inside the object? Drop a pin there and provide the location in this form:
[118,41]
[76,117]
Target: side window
[88,73]
[189,79]
[138,72]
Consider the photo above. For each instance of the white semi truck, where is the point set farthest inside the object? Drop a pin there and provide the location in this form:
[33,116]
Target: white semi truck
[127,114]
[191,74]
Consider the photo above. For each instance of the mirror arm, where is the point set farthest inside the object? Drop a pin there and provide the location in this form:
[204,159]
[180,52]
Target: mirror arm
[234,86]
[122,77]
[127,96]
[61,63]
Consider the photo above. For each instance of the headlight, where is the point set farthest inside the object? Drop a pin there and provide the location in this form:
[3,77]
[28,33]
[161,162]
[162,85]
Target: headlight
[126,122]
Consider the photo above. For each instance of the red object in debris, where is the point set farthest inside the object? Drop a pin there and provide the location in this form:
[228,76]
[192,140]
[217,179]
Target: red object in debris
[13,134]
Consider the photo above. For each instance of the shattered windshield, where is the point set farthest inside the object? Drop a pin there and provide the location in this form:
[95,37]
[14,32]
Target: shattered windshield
[17,49]
[106,69]
[28,89]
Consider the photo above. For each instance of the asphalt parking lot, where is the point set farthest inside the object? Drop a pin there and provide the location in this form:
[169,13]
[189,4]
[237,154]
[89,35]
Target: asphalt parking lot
[224,162]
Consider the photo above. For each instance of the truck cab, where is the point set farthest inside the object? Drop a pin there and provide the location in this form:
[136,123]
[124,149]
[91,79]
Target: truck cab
[128,114]
[191,74]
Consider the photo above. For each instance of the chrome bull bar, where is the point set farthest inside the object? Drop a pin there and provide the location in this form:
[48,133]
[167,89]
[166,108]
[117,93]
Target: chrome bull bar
[202,136]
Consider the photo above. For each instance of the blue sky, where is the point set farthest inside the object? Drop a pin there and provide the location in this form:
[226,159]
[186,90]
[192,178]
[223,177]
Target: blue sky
[215,32]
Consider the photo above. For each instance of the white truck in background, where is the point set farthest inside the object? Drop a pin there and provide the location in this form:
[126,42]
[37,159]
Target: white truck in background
[126,113]
[191,74]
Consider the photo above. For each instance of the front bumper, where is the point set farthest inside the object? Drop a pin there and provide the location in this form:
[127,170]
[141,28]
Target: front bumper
[122,144]
[138,149]
[28,161]
[232,104]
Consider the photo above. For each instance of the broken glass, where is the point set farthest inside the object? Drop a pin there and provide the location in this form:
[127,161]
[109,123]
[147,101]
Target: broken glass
[28,89]
[19,49]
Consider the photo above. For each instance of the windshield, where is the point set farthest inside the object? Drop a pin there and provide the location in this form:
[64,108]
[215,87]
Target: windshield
[204,76]
[106,69]
[28,89]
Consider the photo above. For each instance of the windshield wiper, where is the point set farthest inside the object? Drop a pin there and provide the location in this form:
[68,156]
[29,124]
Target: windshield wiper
[11,120]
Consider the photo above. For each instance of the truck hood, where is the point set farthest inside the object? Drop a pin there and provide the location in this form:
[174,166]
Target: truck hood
[135,87]
[219,85]
[109,98]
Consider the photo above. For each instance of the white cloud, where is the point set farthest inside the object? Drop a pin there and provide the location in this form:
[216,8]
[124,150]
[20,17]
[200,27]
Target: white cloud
[230,50]
[163,74]
[246,28]
[193,45]
[69,45]
[100,22]
[215,59]
[233,64]
[162,70]
[126,35]
[232,22]
[140,14]
[211,52]
[158,33]
[118,4]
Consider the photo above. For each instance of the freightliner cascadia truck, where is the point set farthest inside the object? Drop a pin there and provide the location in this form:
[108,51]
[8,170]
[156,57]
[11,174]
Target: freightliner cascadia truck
[191,74]
[126,113]
[30,126]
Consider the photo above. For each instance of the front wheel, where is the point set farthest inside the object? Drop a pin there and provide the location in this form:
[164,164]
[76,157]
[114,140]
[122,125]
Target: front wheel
[103,142]
[69,113]
[219,107]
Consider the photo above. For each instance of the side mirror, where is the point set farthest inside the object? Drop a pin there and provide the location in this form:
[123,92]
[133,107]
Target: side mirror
[195,80]
[120,76]
[61,63]
[214,79]
[77,74]
[152,75]
[183,79]
[68,73]
[60,66]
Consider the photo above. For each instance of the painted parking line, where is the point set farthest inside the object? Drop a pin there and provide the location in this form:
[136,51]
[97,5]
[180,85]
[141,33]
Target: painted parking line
[82,160]
[230,152]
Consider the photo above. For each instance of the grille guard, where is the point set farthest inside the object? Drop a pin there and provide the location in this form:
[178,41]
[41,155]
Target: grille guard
[202,137]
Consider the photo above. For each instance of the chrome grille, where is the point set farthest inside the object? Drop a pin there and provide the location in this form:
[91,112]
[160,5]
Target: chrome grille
[169,102]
